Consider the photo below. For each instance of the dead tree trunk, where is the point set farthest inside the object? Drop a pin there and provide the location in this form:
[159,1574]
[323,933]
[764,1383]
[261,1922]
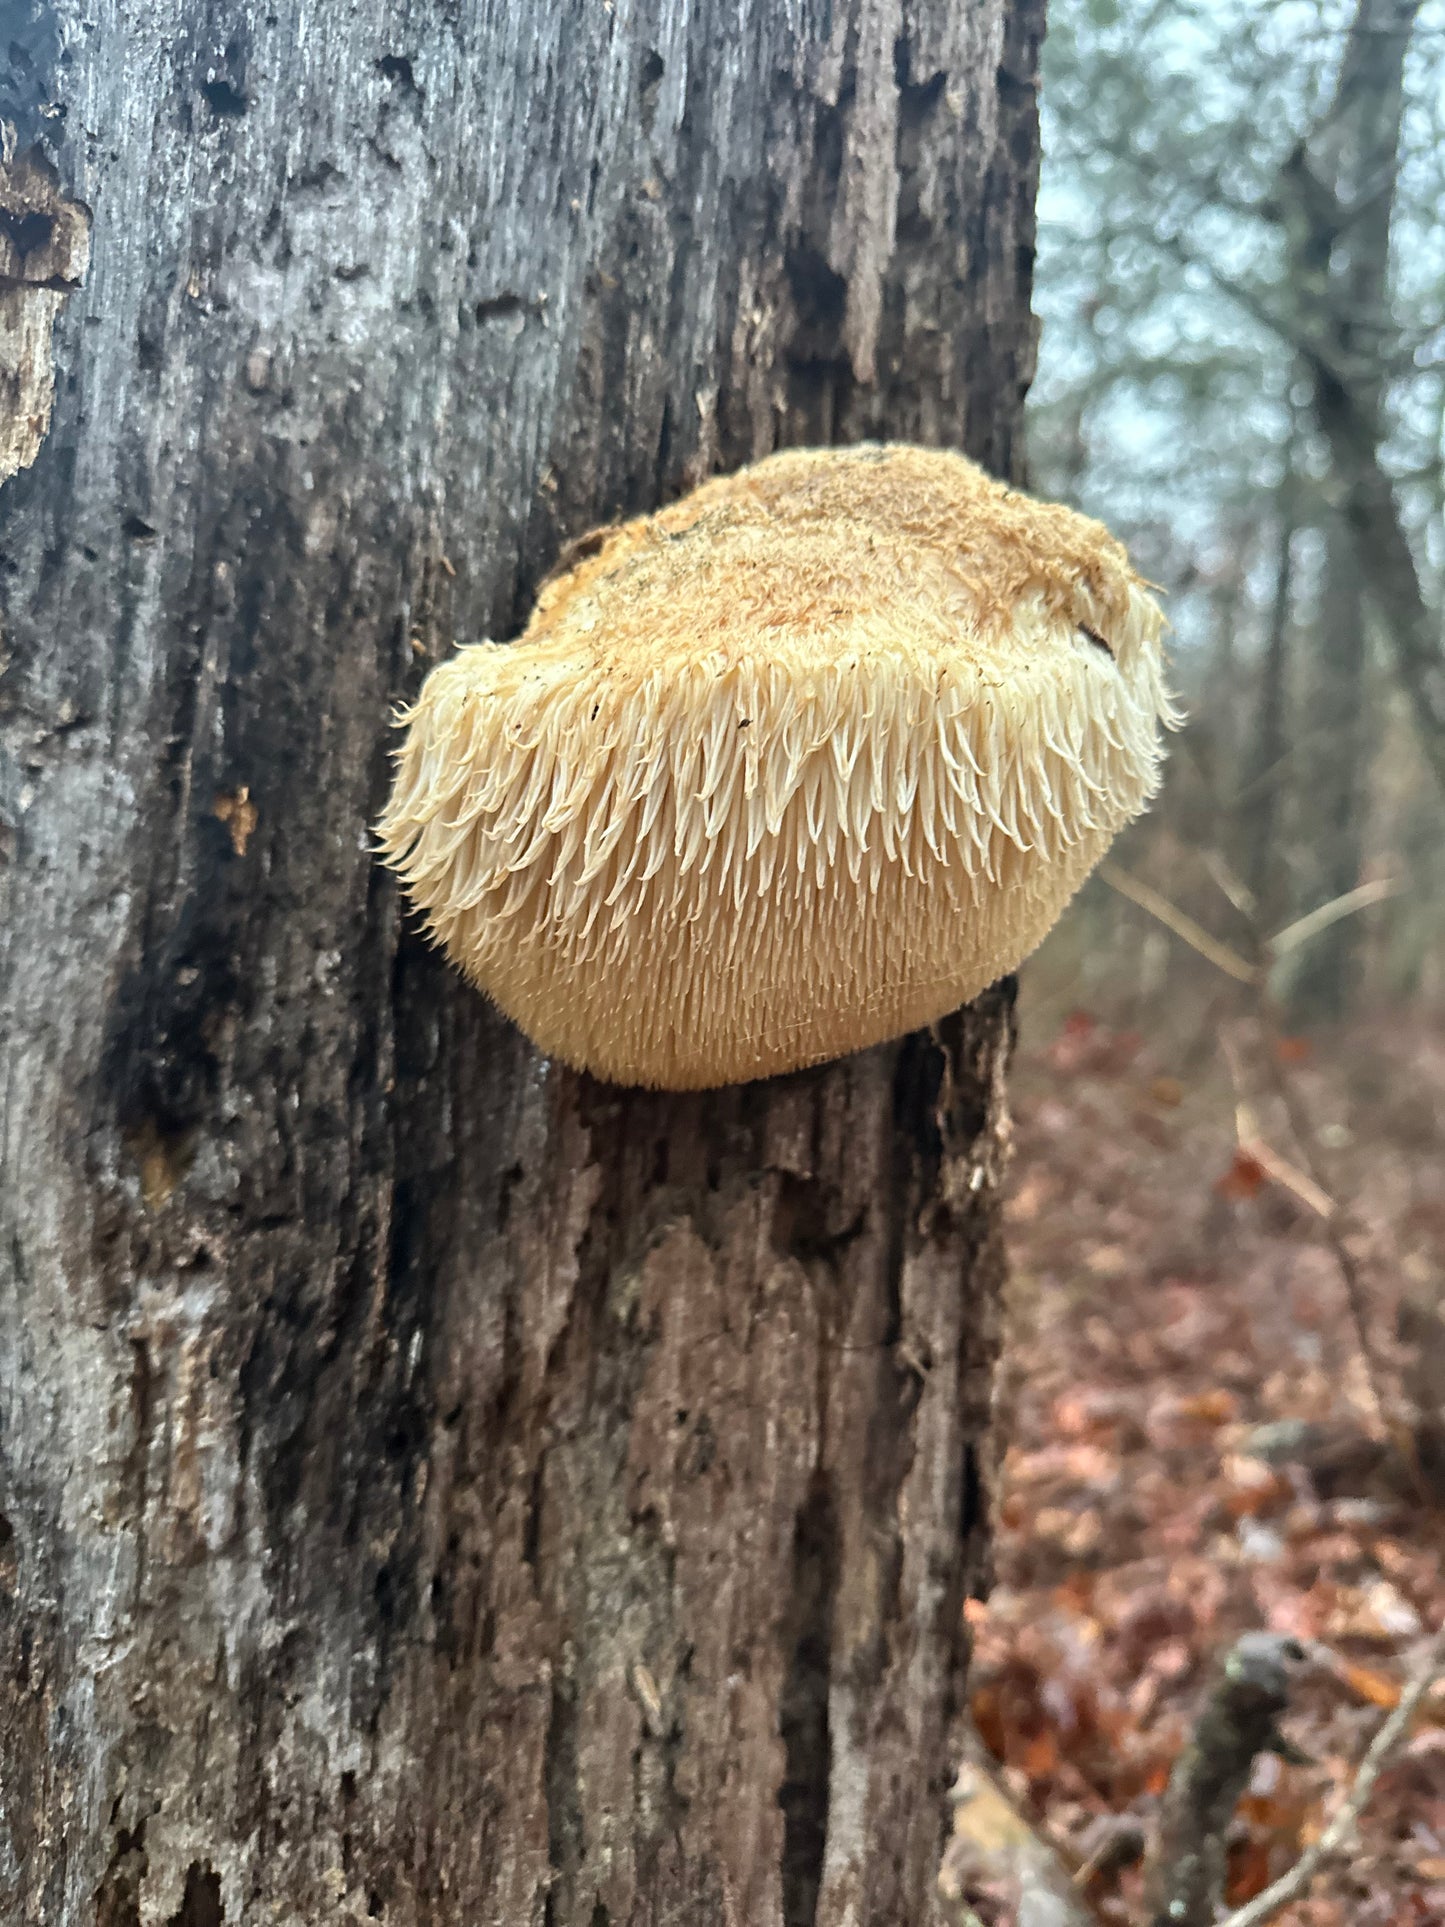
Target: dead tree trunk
[1336,199]
[438,1488]
[1326,982]
[1262,797]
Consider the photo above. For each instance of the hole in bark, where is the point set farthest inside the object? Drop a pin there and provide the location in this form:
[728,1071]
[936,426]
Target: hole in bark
[803,1713]
[532,1525]
[225,99]
[649,78]
[511,1178]
[117,1898]
[805,1221]
[384,1592]
[201,1902]
[917,99]
[820,295]
[564,1804]
[972,1503]
[501,307]
[398,69]
[28,232]
[9,1565]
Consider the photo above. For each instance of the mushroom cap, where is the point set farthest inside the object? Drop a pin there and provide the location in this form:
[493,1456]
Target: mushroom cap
[802,762]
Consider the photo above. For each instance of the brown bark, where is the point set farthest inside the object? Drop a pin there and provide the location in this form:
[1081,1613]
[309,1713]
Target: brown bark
[436,1487]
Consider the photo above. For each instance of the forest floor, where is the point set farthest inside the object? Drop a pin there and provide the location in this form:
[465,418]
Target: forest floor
[1195,1450]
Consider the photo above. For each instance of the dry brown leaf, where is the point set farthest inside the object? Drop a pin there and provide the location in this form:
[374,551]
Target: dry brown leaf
[1214,1407]
[1243,1179]
[1249,1872]
[1366,1683]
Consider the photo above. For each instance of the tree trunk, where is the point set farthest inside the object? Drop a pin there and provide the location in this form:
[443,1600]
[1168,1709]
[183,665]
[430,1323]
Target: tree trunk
[1324,983]
[1336,194]
[437,1487]
[1262,797]
[1337,197]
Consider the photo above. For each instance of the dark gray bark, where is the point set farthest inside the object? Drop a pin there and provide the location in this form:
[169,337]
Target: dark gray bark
[436,1487]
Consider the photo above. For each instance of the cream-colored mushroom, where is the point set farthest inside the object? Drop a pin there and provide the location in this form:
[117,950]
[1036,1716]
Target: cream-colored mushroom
[805,760]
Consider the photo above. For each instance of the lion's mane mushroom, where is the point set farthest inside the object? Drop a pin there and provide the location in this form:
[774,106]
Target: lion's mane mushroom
[805,760]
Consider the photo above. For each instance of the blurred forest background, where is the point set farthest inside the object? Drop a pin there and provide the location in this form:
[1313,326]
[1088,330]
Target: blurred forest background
[1227,1374]
[1241,279]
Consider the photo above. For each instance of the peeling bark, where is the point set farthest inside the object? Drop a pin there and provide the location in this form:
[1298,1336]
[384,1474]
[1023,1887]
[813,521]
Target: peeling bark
[44,249]
[437,1487]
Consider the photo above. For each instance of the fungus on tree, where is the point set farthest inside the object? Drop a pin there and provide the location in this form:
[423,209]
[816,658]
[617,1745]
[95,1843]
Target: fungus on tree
[805,760]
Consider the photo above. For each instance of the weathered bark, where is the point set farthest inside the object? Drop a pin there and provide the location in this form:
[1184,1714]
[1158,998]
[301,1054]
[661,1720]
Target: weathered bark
[438,1488]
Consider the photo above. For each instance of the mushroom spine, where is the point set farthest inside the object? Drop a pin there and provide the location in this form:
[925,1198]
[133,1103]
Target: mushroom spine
[803,761]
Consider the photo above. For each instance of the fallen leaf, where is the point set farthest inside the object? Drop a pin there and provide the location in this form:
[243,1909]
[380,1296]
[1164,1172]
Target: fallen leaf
[1293,1050]
[1216,1407]
[1041,1756]
[1248,1872]
[1379,1689]
[1380,1612]
[1243,1179]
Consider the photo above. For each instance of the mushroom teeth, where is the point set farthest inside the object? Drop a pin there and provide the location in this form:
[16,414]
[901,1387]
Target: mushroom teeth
[802,762]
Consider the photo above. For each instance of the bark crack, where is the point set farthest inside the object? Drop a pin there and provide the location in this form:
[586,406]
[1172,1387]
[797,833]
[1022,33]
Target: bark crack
[803,1714]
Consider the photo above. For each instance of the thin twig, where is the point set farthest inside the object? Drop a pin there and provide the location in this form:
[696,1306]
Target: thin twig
[1284,1173]
[1253,1146]
[1334,1223]
[1338,1835]
[1229,885]
[1312,1185]
[1185,928]
[1303,928]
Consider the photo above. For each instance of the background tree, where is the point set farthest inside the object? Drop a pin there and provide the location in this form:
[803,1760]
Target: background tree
[1243,293]
[436,1487]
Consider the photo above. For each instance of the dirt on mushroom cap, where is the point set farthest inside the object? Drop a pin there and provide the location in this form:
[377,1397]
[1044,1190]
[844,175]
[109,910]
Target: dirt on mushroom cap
[805,760]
